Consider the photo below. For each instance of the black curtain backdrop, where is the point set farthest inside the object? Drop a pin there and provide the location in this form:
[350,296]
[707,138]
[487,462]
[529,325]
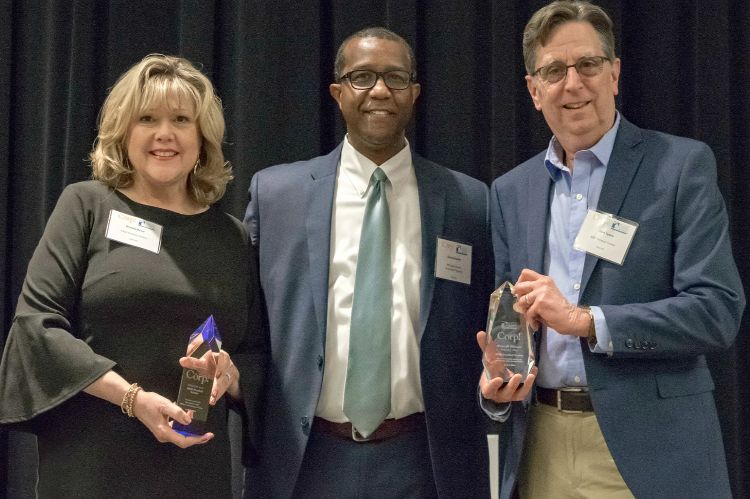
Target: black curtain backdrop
[684,71]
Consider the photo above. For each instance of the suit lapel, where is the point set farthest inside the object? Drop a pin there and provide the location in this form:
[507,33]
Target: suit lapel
[539,184]
[432,212]
[320,192]
[623,164]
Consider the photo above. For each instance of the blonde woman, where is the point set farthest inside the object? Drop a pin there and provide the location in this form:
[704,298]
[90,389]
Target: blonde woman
[129,265]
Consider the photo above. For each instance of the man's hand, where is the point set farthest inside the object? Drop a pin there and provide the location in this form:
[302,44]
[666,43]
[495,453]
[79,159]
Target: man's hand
[540,300]
[495,390]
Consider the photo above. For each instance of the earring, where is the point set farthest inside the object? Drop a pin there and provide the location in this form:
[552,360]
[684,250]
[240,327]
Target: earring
[195,167]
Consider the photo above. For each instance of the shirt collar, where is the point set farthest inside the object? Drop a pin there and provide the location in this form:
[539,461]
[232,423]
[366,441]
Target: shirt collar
[358,168]
[602,150]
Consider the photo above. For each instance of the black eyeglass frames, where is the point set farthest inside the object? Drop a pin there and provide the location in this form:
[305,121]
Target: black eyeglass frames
[364,79]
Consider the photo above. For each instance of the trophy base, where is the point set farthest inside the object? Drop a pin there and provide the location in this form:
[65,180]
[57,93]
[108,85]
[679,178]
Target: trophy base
[491,373]
[194,429]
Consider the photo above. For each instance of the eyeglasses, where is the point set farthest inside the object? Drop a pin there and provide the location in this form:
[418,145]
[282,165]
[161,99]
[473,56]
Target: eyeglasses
[558,70]
[364,79]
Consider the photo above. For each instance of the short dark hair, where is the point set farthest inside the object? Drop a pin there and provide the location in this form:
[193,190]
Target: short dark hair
[373,32]
[545,20]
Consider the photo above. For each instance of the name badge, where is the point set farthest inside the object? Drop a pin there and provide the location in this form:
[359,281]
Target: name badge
[134,231]
[606,236]
[453,261]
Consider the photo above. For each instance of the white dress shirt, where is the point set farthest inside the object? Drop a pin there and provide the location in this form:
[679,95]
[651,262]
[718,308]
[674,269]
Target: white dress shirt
[352,187]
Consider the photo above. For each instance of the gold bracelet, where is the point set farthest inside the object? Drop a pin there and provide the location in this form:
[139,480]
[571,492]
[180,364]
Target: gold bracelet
[131,401]
[128,401]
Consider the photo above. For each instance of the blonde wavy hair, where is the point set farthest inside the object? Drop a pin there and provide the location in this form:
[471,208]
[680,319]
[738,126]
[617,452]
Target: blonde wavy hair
[156,80]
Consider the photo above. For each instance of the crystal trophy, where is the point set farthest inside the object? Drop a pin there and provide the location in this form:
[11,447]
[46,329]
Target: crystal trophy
[509,344]
[195,388]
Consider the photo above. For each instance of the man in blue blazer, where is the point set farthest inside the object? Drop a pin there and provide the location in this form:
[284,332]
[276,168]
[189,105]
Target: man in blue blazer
[618,238]
[306,219]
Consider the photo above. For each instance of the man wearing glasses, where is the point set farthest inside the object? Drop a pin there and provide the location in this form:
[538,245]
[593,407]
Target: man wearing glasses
[375,266]
[618,239]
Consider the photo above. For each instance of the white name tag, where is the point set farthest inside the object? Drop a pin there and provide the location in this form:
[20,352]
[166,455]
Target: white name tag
[453,261]
[606,236]
[134,231]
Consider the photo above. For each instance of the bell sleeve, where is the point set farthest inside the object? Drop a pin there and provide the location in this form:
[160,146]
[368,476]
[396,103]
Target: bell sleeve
[45,361]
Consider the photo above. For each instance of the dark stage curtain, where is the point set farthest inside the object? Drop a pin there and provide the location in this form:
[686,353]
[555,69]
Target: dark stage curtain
[684,71]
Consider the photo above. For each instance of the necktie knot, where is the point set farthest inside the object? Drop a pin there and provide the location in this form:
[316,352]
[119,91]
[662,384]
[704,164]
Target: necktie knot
[379,175]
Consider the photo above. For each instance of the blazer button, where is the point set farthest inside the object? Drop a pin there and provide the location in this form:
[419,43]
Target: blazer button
[320,362]
[629,343]
[304,422]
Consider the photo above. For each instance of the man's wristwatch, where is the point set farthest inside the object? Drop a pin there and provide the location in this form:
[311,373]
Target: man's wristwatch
[591,336]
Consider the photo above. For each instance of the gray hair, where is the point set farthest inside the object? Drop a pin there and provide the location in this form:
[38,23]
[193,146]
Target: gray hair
[544,21]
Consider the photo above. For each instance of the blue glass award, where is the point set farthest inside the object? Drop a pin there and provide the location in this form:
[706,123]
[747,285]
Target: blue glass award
[195,388]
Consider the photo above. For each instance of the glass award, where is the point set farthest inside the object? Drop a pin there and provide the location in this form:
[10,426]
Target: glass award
[195,388]
[509,344]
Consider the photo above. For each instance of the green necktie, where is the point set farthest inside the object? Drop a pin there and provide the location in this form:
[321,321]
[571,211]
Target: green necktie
[367,397]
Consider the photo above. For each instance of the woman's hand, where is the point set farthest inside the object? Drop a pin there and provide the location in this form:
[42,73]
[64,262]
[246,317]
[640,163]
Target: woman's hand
[220,367]
[155,412]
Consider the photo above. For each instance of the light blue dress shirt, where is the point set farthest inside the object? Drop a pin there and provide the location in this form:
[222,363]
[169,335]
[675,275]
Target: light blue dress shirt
[573,194]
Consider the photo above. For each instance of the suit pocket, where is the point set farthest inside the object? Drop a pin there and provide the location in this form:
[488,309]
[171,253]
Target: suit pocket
[680,384]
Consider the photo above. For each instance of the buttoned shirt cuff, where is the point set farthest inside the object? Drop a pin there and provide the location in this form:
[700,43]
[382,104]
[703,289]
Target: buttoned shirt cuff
[603,336]
[495,411]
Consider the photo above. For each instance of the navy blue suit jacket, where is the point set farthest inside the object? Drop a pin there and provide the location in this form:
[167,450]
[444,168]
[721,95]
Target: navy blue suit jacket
[289,220]
[677,297]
